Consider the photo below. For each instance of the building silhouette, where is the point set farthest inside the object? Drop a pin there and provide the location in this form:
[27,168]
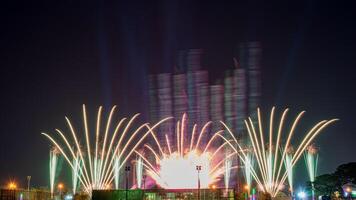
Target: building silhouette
[187,90]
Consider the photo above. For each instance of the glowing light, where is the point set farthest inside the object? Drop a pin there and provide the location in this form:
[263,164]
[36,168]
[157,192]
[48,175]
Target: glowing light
[68,197]
[12,185]
[97,168]
[348,189]
[60,186]
[301,194]
[177,169]
[269,174]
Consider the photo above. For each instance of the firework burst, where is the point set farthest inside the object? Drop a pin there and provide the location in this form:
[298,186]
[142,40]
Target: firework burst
[179,167]
[270,175]
[99,164]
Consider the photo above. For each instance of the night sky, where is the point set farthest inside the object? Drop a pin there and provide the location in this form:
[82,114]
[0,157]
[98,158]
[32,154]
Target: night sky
[56,55]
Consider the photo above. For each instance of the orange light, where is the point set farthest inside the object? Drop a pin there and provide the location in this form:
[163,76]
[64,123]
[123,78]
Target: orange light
[348,189]
[213,186]
[247,187]
[12,185]
[60,186]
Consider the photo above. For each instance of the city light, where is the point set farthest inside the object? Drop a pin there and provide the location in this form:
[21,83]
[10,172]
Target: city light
[68,197]
[12,185]
[348,189]
[60,186]
[302,194]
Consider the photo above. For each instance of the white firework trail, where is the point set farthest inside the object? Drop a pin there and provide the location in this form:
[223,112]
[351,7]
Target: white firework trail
[75,173]
[53,160]
[289,167]
[139,172]
[248,165]
[227,174]
[117,172]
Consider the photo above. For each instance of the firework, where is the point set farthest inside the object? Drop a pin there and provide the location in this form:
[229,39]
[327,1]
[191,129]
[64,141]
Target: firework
[180,167]
[249,164]
[228,164]
[53,158]
[75,173]
[311,160]
[269,175]
[97,165]
[289,167]
[116,171]
[139,171]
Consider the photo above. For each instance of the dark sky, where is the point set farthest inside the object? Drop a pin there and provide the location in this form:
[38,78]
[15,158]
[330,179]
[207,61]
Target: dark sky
[56,55]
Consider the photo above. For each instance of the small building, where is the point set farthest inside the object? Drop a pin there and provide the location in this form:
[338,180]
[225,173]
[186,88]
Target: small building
[164,194]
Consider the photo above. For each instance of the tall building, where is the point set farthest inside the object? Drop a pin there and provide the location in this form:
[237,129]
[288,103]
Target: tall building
[253,64]
[216,106]
[239,98]
[161,103]
[231,100]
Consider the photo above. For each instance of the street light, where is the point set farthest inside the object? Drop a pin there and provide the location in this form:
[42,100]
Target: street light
[348,192]
[198,168]
[348,189]
[247,188]
[127,170]
[60,188]
[12,185]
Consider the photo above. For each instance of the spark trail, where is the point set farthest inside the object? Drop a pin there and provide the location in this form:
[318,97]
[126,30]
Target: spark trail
[288,166]
[249,164]
[53,159]
[311,158]
[75,173]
